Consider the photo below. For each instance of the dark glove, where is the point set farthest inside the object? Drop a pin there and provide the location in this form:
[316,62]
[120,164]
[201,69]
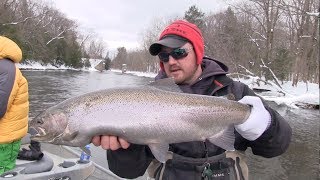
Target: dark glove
[33,154]
[35,146]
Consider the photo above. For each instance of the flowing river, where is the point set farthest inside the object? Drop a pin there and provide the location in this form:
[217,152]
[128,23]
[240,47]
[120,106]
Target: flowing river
[301,161]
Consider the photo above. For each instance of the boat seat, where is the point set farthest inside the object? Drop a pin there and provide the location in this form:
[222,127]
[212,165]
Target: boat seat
[43,165]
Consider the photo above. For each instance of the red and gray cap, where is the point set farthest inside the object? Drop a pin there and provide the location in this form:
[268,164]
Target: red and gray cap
[178,34]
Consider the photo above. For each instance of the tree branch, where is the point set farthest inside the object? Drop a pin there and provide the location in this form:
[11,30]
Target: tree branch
[18,22]
[272,73]
[57,37]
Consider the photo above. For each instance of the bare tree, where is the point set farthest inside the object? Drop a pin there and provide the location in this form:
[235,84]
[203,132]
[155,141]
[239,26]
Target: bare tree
[303,30]
[266,14]
[44,33]
[150,36]
[96,49]
[121,58]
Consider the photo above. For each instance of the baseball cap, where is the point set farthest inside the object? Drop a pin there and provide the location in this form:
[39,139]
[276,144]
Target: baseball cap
[171,41]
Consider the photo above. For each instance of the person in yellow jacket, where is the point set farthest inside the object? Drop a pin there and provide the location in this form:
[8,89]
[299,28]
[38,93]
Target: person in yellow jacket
[14,104]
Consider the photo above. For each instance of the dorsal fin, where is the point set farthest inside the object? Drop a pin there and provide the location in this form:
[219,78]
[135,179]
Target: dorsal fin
[166,84]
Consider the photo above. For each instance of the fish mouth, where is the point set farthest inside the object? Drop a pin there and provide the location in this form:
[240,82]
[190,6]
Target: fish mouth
[37,132]
[32,131]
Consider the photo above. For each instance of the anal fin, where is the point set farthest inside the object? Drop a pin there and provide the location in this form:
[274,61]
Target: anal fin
[160,151]
[225,139]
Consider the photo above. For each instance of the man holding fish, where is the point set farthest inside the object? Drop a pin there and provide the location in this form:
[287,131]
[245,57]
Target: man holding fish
[181,53]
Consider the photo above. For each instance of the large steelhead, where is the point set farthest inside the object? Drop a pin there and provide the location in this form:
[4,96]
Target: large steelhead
[155,115]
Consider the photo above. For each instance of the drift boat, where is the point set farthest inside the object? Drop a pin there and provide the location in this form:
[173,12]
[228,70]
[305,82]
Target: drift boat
[50,166]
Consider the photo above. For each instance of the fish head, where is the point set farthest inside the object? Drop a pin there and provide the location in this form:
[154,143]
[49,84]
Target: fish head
[48,126]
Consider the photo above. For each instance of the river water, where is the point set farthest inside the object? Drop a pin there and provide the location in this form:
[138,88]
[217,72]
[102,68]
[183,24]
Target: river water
[47,88]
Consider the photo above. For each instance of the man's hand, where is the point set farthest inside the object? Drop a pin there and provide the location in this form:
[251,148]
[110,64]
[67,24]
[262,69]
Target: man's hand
[110,142]
[258,121]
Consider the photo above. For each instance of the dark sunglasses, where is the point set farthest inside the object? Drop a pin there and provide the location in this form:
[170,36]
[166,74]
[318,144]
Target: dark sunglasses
[177,54]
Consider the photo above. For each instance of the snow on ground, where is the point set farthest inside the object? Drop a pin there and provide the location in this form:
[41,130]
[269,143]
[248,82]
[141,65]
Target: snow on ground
[33,65]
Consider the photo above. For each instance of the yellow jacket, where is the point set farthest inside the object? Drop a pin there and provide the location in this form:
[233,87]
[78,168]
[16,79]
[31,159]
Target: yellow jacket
[14,103]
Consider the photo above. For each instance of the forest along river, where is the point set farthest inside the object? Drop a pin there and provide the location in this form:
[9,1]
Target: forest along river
[48,88]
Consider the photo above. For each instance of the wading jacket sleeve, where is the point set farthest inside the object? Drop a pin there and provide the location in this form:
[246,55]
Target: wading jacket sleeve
[14,104]
[130,163]
[274,141]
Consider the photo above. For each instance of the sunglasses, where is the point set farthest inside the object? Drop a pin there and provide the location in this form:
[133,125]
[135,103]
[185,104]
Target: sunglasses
[177,54]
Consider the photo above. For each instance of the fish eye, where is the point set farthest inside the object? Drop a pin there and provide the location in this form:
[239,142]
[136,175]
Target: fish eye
[39,121]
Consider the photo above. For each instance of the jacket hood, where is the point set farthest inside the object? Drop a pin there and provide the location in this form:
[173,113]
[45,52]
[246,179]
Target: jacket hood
[9,50]
[212,67]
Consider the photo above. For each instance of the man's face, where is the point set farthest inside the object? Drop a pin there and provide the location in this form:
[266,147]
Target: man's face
[184,70]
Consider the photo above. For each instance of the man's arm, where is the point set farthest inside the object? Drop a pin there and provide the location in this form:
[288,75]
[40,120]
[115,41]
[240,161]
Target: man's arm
[274,140]
[7,76]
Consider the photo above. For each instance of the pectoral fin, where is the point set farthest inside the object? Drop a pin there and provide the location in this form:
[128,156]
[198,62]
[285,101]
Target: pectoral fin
[225,139]
[160,151]
[70,136]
